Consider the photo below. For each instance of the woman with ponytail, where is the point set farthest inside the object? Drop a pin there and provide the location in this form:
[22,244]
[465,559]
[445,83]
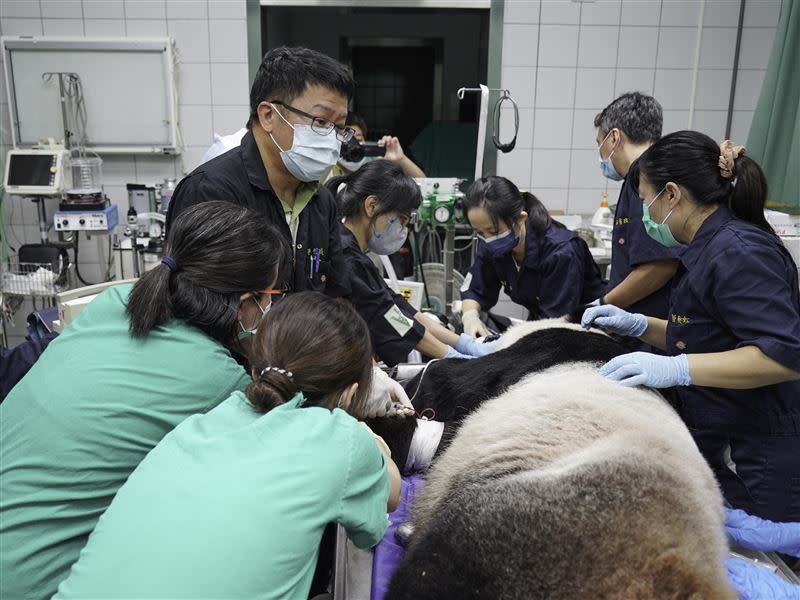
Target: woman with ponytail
[233,503]
[537,261]
[136,362]
[733,329]
[377,204]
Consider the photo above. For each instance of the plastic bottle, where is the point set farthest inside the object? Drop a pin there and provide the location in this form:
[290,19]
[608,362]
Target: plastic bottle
[603,217]
[167,189]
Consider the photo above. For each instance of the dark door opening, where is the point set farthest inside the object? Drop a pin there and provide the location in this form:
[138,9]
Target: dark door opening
[408,64]
[395,88]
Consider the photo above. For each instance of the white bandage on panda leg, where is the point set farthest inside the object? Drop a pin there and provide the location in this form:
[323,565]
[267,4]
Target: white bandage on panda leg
[424,444]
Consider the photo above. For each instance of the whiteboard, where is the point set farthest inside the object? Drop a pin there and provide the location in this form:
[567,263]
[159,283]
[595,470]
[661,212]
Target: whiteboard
[128,87]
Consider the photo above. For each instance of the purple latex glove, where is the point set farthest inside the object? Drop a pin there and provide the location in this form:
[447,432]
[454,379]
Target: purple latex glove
[757,583]
[473,347]
[616,320]
[755,533]
[643,368]
[453,353]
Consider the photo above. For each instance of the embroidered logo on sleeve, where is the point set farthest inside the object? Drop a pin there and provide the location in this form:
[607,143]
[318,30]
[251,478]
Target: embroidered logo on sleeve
[679,319]
[401,323]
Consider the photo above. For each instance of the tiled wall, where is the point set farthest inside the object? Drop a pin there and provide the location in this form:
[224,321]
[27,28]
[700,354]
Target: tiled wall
[211,40]
[562,67]
[564,61]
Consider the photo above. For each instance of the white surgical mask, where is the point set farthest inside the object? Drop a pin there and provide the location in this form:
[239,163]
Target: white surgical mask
[311,154]
[390,239]
[355,166]
[352,166]
[606,166]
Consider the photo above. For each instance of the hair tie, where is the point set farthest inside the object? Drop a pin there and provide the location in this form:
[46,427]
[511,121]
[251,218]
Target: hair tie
[284,372]
[728,153]
[170,262]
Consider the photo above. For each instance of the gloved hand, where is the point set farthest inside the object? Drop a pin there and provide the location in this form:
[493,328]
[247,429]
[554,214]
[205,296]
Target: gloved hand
[453,353]
[643,368]
[761,534]
[386,397]
[471,319]
[757,583]
[474,348]
[614,319]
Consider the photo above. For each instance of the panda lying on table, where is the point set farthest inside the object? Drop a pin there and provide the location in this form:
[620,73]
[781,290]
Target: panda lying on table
[548,481]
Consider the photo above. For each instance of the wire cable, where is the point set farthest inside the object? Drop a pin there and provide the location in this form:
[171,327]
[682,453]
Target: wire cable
[77,268]
[422,271]
[504,148]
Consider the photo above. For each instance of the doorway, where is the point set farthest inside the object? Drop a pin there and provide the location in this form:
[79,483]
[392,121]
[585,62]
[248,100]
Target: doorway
[396,84]
[408,64]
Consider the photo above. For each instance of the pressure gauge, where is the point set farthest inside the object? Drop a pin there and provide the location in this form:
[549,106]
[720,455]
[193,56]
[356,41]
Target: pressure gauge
[442,214]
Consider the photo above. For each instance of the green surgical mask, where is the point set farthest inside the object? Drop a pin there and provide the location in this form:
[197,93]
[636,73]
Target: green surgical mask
[658,231]
[248,333]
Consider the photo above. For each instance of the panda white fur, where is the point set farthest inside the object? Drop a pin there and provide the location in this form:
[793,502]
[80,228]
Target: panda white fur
[516,332]
[568,486]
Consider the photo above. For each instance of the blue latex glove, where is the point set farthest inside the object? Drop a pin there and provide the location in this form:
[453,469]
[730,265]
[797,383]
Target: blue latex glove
[757,583]
[473,348]
[643,368]
[614,319]
[761,534]
[453,353]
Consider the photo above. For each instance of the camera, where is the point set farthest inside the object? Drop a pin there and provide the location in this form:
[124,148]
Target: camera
[353,151]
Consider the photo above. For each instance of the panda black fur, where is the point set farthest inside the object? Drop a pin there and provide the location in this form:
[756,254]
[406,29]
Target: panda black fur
[568,486]
[451,389]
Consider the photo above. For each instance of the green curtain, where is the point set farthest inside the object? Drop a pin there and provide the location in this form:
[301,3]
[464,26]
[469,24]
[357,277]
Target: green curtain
[774,139]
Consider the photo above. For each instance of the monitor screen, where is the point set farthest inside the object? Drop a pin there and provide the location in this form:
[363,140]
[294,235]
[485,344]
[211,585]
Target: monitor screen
[31,169]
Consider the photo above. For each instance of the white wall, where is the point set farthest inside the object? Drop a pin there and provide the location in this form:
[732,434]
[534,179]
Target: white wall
[211,39]
[589,53]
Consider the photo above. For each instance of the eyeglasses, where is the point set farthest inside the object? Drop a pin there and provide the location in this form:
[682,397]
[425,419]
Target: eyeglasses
[320,125]
[408,220]
[274,295]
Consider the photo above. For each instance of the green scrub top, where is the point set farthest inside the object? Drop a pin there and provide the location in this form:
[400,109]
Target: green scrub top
[73,429]
[232,504]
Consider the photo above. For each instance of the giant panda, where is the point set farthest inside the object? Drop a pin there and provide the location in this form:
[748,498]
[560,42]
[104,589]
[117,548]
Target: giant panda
[448,390]
[568,487]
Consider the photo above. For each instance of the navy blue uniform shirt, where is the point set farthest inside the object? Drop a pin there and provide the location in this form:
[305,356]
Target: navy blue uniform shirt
[557,275]
[239,176]
[392,328]
[631,247]
[737,286]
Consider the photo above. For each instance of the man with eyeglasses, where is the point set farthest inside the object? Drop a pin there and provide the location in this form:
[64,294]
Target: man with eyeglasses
[298,110]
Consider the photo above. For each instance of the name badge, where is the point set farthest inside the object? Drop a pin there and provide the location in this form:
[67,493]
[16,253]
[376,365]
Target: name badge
[399,322]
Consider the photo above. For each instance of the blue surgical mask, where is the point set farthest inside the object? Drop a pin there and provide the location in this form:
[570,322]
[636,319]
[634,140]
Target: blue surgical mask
[501,244]
[660,232]
[606,166]
[248,333]
[311,154]
[389,239]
